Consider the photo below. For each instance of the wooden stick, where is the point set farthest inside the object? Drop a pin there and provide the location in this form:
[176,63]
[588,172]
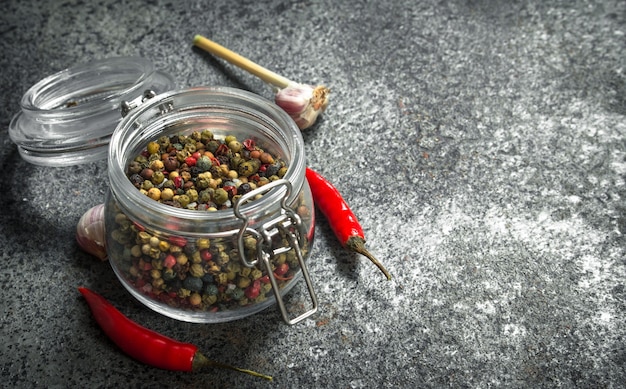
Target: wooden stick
[242,62]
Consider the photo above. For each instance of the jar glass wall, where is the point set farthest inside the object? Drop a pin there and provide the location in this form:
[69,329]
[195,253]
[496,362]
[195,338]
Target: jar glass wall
[200,265]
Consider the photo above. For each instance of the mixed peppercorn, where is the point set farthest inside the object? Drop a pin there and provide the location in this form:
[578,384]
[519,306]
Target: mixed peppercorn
[202,172]
[199,172]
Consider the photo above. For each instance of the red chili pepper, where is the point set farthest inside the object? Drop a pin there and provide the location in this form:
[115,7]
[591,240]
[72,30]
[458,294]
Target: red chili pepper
[148,346]
[340,217]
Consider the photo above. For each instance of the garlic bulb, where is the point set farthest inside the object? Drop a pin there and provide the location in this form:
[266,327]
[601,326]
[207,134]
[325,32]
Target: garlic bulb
[90,233]
[303,102]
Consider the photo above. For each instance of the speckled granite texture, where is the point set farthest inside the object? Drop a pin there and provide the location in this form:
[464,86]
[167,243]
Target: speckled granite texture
[481,143]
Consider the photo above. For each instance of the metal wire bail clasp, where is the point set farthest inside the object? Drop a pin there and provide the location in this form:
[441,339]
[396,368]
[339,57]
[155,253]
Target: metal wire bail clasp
[127,106]
[287,224]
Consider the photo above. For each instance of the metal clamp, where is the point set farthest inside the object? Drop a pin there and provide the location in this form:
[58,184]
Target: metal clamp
[127,106]
[288,224]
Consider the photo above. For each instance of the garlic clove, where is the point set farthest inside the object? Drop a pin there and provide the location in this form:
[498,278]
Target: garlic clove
[90,233]
[303,102]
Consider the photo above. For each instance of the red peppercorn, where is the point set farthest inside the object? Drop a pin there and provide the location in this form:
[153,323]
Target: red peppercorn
[206,255]
[253,290]
[281,269]
[231,190]
[190,161]
[177,241]
[169,261]
[249,144]
[222,149]
[178,181]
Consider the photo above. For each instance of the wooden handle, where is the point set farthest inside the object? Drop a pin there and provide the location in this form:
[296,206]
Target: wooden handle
[242,62]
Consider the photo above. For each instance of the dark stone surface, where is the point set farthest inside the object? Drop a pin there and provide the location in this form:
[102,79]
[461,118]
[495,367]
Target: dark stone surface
[482,144]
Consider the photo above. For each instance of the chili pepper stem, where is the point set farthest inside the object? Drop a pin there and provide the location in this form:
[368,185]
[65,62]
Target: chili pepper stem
[200,362]
[242,62]
[357,244]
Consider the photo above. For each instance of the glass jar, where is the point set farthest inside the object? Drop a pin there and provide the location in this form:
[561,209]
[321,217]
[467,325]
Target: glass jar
[210,266]
[67,118]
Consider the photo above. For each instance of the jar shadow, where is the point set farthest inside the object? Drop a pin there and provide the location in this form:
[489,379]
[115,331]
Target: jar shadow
[25,226]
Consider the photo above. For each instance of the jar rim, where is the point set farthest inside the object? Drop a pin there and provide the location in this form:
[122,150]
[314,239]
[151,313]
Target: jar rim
[152,212]
[61,93]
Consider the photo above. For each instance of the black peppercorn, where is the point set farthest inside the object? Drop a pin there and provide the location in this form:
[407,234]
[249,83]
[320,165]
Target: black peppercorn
[136,180]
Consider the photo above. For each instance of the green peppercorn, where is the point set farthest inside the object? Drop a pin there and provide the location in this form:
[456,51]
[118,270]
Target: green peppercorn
[222,258]
[206,135]
[147,185]
[195,256]
[196,270]
[202,183]
[249,242]
[142,160]
[190,147]
[212,145]
[205,196]
[237,293]
[134,167]
[183,293]
[118,236]
[249,168]
[183,200]
[235,161]
[196,136]
[168,274]
[153,147]
[204,163]
[157,177]
[167,194]
[192,194]
[256,274]
[220,196]
[164,142]
[182,259]
[135,251]
[209,299]
[158,283]
[153,158]
[181,155]
[243,282]
[221,278]
[156,164]
[234,146]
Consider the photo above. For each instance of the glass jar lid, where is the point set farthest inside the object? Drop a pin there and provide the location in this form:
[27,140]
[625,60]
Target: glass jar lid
[68,118]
